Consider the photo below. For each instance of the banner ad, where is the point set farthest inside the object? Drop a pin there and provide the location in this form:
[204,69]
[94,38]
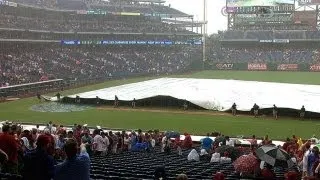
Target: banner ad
[288,67]
[315,68]
[257,66]
[224,66]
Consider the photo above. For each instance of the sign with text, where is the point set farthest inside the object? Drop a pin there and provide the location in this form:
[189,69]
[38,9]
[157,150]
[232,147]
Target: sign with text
[257,66]
[315,67]
[287,67]
[308,2]
[224,66]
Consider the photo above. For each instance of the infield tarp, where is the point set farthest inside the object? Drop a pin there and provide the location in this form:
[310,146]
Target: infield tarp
[216,94]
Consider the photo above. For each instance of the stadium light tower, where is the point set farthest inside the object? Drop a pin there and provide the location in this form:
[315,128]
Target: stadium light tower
[204,33]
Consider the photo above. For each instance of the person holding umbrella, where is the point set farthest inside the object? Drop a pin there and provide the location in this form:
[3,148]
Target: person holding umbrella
[246,164]
[266,172]
[274,156]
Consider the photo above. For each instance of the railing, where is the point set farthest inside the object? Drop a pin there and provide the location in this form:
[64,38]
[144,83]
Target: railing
[44,87]
[35,87]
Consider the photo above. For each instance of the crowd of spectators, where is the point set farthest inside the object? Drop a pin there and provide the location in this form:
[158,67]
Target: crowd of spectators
[267,34]
[60,153]
[110,6]
[102,25]
[265,55]
[145,8]
[276,26]
[52,4]
[21,64]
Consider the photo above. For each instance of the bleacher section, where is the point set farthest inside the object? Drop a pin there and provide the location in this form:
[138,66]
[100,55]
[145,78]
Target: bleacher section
[142,165]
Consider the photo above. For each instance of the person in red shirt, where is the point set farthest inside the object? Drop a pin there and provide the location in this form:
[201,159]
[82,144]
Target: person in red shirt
[219,176]
[291,175]
[52,143]
[10,146]
[286,144]
[266,141]
[187,142]
[267,174]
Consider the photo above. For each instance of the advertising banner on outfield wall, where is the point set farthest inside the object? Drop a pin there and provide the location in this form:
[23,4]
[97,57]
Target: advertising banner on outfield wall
[224,66]
[288,67]
[315,67]
[257,66]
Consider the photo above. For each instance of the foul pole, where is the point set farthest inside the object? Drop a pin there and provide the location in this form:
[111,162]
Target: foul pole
[204,33]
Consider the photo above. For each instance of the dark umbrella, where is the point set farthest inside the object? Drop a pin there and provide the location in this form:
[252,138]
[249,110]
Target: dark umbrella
[219,139]
[172,134]
[274,156]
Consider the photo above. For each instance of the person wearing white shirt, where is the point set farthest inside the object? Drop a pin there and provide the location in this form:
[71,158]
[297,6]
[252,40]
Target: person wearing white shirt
[305,159]
[126,141]
[229,142]
[163,142]
[106,143]
[98,142]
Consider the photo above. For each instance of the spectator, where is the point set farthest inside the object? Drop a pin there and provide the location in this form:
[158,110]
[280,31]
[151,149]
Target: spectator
[9,145]
[229,142]
[267,174]
[266,141]
[253,141]
[98,143]
[187,142]
[219,176]
[207,143]
[306,152]
[3,157]
[160,173]
[87,140]
[75,166]
[313,161]
[182,177]
[39,164]
[286,144]
[193,155]
[105,144]
[114,144]
[126,141]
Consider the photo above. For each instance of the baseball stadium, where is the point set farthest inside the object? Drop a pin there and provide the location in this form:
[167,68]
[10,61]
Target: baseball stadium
[137,89]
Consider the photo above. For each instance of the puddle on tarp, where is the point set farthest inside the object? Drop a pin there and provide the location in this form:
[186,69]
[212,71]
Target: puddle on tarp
[59,107]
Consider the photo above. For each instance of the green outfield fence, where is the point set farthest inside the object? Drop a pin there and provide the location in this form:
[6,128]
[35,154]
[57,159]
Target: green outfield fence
[264,67]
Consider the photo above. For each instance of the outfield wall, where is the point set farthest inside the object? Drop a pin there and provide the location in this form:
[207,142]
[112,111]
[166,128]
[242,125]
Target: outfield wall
[265,67]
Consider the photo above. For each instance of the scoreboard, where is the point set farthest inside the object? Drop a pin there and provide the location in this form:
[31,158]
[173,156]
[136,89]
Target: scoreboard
[261,9]
[250,3]
[275,18]
[261,12]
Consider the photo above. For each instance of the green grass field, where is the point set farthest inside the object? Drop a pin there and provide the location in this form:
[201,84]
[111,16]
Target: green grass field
[192,123]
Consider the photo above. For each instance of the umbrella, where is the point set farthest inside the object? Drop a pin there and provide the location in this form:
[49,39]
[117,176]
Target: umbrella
[246,163]
[274,156]
[219,139]
[172,134]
